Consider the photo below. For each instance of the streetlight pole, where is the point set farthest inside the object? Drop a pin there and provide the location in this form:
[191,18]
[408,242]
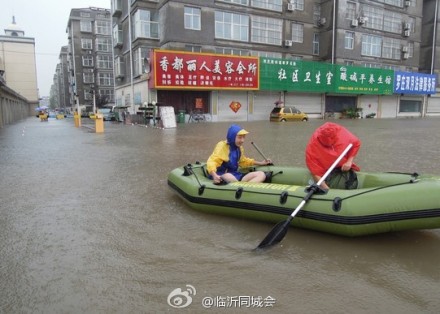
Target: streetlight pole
[131,57]
[94,98]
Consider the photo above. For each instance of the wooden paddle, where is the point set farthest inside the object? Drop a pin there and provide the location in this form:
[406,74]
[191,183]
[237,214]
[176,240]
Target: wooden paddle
[279,231]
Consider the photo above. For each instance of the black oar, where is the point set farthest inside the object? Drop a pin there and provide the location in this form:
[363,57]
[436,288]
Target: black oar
[261,153]
[279,231]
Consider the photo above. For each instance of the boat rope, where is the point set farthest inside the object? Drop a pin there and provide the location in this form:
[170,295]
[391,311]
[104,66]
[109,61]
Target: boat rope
[188,170]
[380,188]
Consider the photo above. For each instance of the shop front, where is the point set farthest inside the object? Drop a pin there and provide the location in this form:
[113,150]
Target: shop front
[210,84]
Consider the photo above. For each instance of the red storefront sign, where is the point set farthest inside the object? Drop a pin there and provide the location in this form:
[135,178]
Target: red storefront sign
[188,70]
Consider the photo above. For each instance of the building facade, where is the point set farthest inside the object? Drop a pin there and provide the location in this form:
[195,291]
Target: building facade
[398,35]
[90,59]
[17,62]
[383,34]
[430,48]
[60,97]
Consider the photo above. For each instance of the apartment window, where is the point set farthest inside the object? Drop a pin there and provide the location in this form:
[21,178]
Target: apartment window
[316,43]
[86,43]
[193,48]
[88,78]
[266,30]
[192,18]
[298,4]
[103,44]
[316,13]
[85,26]
[242,2]
[145,25]
[104,61]
[266,54]
[297,32]
[117,34]
[117,5]
[274,5]
[391,49]
[231,51]
[88,95]
[102,28]
[295,57]
[105,79]
[410,50]
[350,13]
[231,26]
[392,22]
[349,40]
[391,67]
[119,66]
[371,45]
[139,56]
[397,3]
[412,22]
[375,17]
[372,65]
[349,62]
[107,95]
[87,60]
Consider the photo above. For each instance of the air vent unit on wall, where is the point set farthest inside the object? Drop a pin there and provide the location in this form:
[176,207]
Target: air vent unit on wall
[406,55]
[407,3]
[288,43]
[406,33]
[405,49]
[354,23]
[322,21]
[363,19]
[290,7]
[406,25]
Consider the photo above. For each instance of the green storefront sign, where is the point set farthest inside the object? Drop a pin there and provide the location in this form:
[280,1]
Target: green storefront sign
[319,77]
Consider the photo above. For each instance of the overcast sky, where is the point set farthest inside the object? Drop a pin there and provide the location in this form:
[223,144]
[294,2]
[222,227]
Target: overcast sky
[46,21]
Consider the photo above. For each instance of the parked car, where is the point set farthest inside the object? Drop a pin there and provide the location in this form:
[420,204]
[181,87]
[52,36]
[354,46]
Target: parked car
[107,113]
[287,113]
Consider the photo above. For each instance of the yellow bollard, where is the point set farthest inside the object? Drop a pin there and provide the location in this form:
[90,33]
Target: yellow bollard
[77,119]
[99,123]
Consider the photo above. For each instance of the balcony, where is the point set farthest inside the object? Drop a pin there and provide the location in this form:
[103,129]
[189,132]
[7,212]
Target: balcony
[147,30]
[117,8]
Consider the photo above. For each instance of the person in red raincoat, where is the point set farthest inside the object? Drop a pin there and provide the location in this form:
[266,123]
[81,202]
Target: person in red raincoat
[326,145]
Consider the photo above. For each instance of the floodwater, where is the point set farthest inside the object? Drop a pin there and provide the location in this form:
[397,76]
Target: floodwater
[89,225]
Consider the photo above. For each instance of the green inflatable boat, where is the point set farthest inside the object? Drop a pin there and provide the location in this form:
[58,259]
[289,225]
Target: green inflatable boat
[370,203]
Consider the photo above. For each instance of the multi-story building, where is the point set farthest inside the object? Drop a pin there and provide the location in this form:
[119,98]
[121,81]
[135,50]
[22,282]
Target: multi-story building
[61,98]
[382,34]
[430,47]
[90,58]
[17,62]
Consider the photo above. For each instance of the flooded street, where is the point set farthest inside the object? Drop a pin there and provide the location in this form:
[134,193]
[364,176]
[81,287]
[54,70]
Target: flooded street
[89,225]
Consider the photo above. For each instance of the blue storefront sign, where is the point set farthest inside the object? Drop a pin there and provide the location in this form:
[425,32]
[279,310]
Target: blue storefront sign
[414,83]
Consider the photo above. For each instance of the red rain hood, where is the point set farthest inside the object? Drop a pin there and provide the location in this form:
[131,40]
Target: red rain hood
[325,146]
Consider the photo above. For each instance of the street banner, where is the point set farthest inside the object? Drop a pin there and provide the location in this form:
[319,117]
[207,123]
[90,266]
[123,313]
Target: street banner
[320,77]
[414,83]
[201,71]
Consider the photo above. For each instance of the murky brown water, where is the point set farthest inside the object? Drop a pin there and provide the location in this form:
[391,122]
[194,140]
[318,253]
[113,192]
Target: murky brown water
[88,225]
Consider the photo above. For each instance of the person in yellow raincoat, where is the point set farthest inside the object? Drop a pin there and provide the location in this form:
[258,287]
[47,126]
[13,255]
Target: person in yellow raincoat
[228,156]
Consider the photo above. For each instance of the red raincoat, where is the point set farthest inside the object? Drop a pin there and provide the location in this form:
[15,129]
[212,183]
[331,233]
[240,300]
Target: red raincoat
[326,145]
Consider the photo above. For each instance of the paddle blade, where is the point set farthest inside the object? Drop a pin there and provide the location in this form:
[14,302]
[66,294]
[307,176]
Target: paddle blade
[275,235]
